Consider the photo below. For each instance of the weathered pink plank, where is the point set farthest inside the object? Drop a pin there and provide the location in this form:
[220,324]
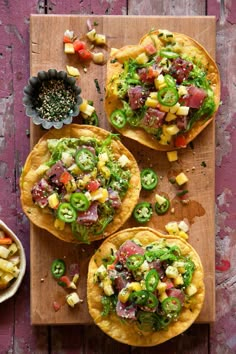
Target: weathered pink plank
[223,332]
[16,333]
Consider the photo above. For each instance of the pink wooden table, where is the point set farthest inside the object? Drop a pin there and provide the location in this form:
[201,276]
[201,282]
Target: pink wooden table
[16,333]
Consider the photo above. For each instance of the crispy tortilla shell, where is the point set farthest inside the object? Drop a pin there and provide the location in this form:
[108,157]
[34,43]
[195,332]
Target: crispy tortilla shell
[125,331]
[187,46]
[40,154]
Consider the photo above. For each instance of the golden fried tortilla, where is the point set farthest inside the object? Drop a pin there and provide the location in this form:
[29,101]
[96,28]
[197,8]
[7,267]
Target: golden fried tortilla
[31,174]
[184,45]
[126,331]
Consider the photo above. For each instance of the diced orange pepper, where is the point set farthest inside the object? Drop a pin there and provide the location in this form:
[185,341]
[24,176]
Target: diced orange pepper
[66,177]
[5,241]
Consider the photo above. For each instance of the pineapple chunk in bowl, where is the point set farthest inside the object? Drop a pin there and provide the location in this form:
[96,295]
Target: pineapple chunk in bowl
[12,262]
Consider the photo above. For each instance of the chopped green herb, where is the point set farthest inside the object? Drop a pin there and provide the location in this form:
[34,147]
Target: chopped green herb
[97,85]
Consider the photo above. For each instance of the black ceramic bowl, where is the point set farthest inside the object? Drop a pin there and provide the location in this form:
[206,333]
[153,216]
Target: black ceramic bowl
[52,99]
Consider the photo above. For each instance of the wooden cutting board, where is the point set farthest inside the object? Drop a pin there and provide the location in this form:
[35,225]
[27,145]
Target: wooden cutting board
[198,161]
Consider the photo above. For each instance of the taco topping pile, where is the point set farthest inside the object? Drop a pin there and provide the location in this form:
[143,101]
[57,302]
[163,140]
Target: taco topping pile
[160,88]
[82,185]
[148,285]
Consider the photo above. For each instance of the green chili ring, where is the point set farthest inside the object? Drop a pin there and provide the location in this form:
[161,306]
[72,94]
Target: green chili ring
[168,96]
[163,208]
[142,212]
[149,179]
[58,268]
[118,119]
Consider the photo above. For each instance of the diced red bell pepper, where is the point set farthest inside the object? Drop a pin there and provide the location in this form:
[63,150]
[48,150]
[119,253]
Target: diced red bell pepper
[79,45]
[56,306]
[150,49]
[67,39]
[84,54]
[223,266]
[65,177]
[93,185]
[180,141]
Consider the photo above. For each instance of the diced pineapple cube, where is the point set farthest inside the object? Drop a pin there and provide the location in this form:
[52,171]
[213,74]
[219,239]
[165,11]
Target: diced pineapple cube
[165,139]
[164,108]
[172,272]
[86,108]
[100,39]
[191,290]
[182,111]
[159,199]
[13,248]
[153,95]
[67,158]
[123,295]
[91,35]
[107,286]
[71,186]
[69,48]
[170,116]
[161,287]
[53,201]
[172,129]
[172,155]
[103,157]
[174,108]
[151,102]
[181,179]
[159,82]
[4,252]
[134,286]
[183,235]
[101,272]
[179,280]
[106,172]
[101,194]
[72,71]
[182,90]
[183,226]
[163,296]
[123,160]
[73,299]
[41,169]
[172,228]
[59,224]
[98,58]
[142,58]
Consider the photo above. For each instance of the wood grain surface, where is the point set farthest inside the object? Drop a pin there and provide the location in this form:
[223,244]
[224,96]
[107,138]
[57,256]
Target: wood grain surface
[46,51]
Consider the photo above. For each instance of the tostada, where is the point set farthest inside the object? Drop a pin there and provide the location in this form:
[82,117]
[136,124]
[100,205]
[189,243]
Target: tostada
[144,287]
[80,183]
[162,92]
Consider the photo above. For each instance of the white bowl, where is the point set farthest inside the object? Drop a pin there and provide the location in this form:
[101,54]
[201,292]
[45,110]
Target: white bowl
[12,289]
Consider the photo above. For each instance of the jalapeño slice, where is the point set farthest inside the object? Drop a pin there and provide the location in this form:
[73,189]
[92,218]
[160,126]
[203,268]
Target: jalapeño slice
[152,280]
[58,268]
[134,261]
[152,301]
[162,208]
[169,80]
[85,159]
[171,305]
[168,96]
[142,212]
[139,297]
[149,179]
[79,201]
[66,213]
[118,119]
[168,54]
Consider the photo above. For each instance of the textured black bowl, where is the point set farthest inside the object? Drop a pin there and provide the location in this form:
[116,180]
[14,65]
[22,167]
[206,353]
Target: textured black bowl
[31,94]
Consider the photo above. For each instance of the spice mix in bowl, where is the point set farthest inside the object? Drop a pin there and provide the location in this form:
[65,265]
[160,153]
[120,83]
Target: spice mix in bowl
[52,99]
